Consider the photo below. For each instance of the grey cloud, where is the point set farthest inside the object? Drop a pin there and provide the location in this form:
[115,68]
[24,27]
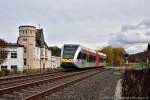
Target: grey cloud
[145,23]
[132,37]
[86,22]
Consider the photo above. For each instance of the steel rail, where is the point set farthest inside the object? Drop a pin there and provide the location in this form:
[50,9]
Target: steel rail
[28,78]
[23,76]
[31,84]
[40,95]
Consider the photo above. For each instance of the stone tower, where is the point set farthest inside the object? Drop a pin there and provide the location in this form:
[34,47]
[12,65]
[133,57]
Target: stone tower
[36,52]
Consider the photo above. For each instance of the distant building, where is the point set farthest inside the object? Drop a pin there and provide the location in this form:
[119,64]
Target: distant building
[55,62]
[36,54]
[14,57]
[140,57]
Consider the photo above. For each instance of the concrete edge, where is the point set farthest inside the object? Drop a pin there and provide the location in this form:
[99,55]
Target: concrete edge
[118,91]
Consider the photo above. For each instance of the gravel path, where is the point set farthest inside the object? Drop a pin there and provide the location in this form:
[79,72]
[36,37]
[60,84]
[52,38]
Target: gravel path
[98,87]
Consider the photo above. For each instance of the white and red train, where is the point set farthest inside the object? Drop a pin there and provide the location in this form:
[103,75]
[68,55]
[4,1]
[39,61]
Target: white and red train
[75,57]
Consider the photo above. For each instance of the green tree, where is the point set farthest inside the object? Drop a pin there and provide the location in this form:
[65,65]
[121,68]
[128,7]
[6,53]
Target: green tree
[3,53]
[56,51]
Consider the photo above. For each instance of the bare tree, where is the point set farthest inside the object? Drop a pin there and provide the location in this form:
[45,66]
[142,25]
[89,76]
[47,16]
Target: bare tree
[3,52]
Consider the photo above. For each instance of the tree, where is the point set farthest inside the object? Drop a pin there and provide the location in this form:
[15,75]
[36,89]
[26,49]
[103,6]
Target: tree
[109,52]
[119,56]
[115,56]
[3,52]
[56,51]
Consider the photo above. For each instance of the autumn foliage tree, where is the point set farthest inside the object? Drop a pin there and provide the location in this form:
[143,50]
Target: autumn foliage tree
[109,52]
[115,56]
[119,56]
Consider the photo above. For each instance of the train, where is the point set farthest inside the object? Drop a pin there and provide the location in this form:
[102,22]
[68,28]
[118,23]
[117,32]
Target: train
[76,57]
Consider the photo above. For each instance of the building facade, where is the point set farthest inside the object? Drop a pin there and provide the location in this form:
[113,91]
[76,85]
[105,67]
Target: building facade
[55,62]
[36,54]
[14,57]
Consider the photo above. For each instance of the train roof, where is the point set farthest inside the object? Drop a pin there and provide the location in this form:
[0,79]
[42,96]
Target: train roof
[102,54]
[88,49]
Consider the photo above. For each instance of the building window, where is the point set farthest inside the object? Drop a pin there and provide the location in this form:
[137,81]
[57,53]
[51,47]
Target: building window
[3,67]
[24,39]
[13,55]
[14,68]
[25,62]
[25,49]
[3,54]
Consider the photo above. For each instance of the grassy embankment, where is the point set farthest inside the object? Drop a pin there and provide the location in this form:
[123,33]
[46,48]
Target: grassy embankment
[29,71]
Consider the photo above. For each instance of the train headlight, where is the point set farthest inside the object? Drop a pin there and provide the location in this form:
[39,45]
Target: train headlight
[68,60]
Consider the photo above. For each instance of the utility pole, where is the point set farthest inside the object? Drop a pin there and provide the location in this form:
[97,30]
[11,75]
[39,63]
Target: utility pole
[147,55]
[147,58]
[39,26]
[126,58]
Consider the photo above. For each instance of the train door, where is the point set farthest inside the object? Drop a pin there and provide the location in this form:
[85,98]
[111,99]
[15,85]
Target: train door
[87,60]
[97,59]
[80,60]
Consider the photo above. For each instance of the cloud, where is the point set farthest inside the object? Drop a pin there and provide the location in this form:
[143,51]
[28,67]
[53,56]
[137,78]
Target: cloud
[133,37]
[85,22]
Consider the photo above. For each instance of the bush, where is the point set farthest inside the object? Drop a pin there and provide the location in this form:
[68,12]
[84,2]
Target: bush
[31,71]
[136,83]
[1,73]
[6,72]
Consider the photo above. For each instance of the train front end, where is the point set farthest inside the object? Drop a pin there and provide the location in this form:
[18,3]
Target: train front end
[67,56]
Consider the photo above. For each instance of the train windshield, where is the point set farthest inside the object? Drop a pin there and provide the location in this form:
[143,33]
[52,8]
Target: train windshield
[69,51]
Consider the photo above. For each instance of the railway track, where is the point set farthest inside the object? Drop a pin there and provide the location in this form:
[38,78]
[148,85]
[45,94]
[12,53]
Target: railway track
[23,79]
[37,89]
[14,78]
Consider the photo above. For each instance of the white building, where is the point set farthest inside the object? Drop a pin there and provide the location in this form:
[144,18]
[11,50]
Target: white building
[14,57]
[37,54]
[55,62]
[30,51]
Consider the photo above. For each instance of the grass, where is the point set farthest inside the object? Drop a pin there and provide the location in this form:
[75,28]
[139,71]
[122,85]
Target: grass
[4,72]
[137,66]
[35,71]
[136,83]
[29,71]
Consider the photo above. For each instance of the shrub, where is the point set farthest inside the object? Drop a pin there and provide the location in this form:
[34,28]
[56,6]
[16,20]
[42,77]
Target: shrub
[6,72]
[135,83]
[1,73]
[30,71]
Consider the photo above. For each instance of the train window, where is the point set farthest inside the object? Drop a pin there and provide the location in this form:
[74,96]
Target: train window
[102,59]
[69,51]
[92,58]
[84,56]
[79,56]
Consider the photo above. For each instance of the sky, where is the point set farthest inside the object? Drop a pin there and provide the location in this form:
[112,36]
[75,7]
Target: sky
[92,23]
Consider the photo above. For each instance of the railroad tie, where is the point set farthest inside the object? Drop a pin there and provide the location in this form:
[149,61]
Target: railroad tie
[9,97]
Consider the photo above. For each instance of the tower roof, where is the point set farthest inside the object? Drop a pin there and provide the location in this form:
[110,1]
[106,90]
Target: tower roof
[26,26]
[40,42]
